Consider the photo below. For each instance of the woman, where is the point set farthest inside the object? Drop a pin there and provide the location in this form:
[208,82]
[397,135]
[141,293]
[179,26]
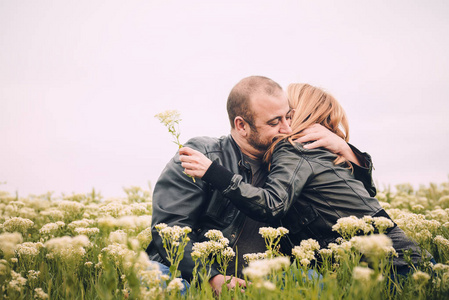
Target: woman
[306,190]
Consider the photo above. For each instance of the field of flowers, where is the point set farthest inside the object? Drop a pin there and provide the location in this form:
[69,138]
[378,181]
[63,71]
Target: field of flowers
[82,246]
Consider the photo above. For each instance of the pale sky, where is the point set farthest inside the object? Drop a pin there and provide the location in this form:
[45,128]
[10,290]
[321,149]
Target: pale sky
[81,81]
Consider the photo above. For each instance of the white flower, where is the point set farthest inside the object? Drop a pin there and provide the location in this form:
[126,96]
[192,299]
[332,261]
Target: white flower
[362,274]
[8,242]
[421,277]
[67,248]
[118,236]
[272,233]
[349,226]
[17,282]
[40,294]
[214,235]
[374,246]
[51,228]
[260,268]
[87,231]
[266,285]
[29,249]
[17,224]
[382,224]
[175,285]
[249,257]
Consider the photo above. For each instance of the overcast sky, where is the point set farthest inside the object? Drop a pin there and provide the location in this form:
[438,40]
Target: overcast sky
[81,81]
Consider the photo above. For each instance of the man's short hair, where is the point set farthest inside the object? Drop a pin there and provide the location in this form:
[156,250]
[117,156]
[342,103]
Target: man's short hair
[239,103]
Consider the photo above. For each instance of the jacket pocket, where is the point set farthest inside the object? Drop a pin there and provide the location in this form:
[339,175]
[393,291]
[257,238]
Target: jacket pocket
[220,209]
[304,222]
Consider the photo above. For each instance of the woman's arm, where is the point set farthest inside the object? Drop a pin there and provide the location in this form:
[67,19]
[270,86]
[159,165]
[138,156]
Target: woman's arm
[288,175]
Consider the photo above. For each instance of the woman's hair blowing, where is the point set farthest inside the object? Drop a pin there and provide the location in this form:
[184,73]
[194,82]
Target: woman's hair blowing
[313,105]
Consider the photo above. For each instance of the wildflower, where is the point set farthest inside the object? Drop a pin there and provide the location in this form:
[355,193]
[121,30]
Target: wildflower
[71,207]
[382,224]
[249,257]
[80,223]
[266,285]
[139,208]
[204,249]
[29,249]
[175,285]
[261,268]
[144,237]
[67,248]
[442,242]
[420,277]
[272,233]
[53,213]
[40,294]
[444,201]
[51,228]
[3,267]
[374,246]
[440,267]
[305,252]
[8,242]
[385,205]
[17,282]
[418,208]
[423,236]
[119,253]
[160,226]
[18,224]
[87,231]
[107,222]
[350,226]
[118,236]
[171,119]
[33,275]
[114,209]
[362,274]
[214,235]
[325,253]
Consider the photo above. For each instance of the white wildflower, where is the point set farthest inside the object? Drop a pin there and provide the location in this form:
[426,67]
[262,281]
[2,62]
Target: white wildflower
[421,277]
[175,285]
[8,242]
[18,224]
[40,294]
[87,231]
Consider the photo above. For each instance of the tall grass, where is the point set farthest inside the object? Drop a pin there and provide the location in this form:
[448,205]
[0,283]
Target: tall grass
[82,246]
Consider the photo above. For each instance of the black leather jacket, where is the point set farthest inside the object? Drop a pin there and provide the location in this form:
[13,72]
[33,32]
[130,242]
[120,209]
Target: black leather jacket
[177,200]
[305,192]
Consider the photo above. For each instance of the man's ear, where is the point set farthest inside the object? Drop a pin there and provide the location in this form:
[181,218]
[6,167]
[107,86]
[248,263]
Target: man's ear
[241,126]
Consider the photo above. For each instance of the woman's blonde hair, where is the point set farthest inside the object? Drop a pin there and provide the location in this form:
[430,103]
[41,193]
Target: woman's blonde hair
[313,105]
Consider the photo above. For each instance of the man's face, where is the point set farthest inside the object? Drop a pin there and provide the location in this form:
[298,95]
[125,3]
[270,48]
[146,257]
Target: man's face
[271,117]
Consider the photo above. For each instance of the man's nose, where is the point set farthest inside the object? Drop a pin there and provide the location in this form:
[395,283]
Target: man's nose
[285,127]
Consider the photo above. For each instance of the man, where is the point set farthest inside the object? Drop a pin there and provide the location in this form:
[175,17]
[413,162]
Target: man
[258,110]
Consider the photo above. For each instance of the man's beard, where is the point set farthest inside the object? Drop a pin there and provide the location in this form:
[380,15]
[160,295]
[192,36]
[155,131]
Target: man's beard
[256,142]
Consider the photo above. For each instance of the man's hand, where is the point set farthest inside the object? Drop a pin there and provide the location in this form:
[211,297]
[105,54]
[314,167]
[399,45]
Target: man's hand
[320,136]
[218,281]
[194,162]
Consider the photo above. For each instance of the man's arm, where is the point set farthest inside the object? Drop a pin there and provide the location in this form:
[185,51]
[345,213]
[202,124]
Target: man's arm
[177,200]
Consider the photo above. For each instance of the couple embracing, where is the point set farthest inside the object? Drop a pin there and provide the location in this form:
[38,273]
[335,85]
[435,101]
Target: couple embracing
[286,162]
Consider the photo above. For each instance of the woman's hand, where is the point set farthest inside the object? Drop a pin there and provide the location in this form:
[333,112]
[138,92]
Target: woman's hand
[194,162]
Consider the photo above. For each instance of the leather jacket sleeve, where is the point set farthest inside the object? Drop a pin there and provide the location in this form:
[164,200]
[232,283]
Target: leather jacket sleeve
[289,174]
[364,173]
[177,200]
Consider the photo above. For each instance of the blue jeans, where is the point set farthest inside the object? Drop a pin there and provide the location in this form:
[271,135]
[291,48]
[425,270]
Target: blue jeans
[166,271]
